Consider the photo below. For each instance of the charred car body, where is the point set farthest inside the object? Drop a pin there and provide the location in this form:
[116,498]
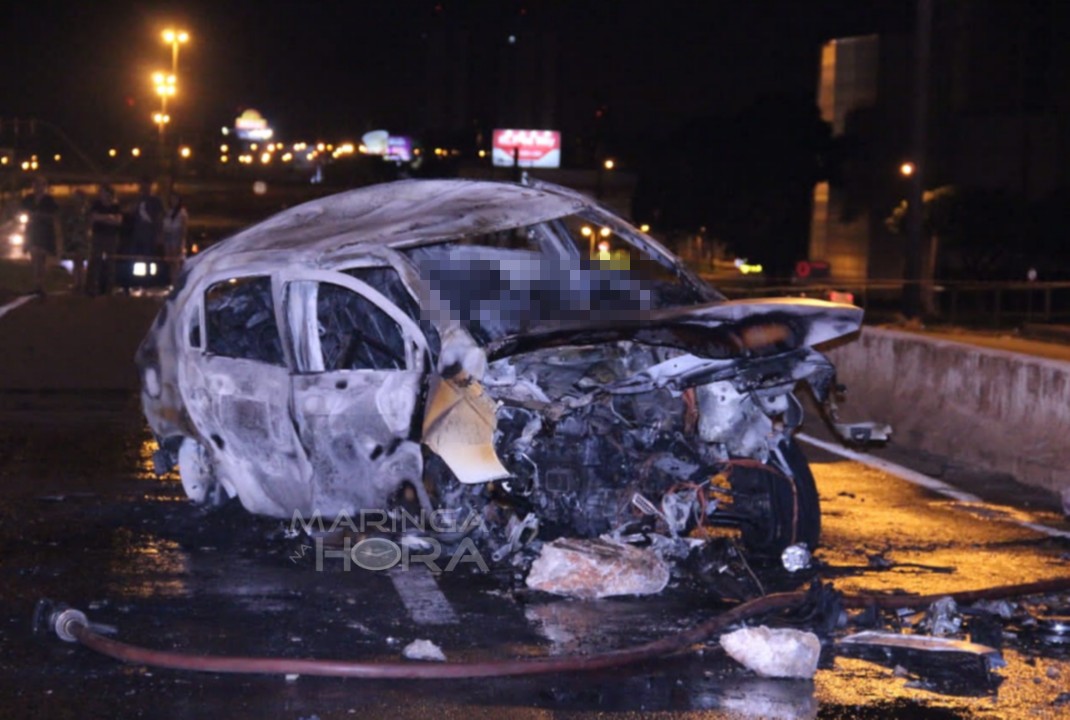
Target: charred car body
[513,351]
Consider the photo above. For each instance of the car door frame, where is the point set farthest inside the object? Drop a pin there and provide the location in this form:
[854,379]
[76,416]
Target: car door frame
[275,482]
[321,398]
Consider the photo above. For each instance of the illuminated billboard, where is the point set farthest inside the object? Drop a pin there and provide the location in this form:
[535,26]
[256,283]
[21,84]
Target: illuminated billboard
[527,148]
[251,125]
[399,148]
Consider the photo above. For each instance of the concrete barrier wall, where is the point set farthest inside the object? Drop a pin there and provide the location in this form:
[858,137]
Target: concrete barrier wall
[996,410]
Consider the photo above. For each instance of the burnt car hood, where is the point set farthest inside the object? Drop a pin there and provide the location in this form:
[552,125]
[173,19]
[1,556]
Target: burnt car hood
[729,329]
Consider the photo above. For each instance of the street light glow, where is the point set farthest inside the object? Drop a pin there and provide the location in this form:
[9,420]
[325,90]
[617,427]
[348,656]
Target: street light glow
[171,37]
[166,85]
[609,164]
[906,169]
[112,152]
[136,152]
[185,151]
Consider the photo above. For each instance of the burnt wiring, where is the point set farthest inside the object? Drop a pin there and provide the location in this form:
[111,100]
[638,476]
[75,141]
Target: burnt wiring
[73,626]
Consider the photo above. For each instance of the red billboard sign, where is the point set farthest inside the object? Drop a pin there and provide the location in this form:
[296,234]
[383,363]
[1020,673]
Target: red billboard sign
[528,148]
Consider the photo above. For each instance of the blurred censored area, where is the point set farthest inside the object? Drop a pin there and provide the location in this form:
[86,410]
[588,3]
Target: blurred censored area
[564,272]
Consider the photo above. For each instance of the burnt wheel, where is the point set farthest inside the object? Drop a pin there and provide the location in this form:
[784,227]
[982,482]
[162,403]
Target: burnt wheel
[771,508]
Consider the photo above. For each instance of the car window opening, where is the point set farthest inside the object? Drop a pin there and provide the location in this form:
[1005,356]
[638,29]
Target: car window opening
[240,319]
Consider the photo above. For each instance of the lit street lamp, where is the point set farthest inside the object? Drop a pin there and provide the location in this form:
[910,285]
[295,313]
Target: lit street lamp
[174,38]
[166,86]
[606,165]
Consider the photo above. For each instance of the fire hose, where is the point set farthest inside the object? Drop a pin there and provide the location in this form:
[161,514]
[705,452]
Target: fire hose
[73,626]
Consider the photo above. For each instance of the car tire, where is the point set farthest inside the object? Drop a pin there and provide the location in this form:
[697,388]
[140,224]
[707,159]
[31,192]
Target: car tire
[195,469]
[775,510]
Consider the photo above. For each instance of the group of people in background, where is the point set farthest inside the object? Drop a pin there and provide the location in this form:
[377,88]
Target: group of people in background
[98,234]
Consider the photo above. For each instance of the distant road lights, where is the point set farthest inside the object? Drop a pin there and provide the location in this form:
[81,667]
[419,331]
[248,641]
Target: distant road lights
[57,157]
[906,169]
[265,158]
[482,153]
[112,152]
[185,152]
[609,164]
[161,118]
[136,152]
[4,160]
[644,228]
[605,232]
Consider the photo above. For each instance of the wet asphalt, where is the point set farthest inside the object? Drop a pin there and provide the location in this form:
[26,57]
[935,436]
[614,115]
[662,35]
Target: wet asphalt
[84,520]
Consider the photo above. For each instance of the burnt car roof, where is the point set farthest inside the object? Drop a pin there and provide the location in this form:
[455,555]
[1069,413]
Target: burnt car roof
[397,214]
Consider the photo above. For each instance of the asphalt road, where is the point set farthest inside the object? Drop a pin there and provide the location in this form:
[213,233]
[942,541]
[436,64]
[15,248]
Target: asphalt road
[84,520]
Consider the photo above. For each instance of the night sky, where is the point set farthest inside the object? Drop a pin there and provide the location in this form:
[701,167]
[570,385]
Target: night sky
[339,68]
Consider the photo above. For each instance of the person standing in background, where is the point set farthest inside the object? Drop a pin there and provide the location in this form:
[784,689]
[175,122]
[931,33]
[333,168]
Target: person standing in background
[105,224]
[146,231]
[42,230]
[175,224]
[75,216]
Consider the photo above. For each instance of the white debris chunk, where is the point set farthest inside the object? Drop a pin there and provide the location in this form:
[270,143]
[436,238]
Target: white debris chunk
[780,652]
[597,568]
[423,650]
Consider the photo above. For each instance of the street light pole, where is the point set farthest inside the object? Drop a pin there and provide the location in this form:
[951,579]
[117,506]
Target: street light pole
[166,86]
[915,267]
[174,38]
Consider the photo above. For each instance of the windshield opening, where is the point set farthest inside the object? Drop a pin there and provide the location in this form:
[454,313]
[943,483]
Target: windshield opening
[583,269]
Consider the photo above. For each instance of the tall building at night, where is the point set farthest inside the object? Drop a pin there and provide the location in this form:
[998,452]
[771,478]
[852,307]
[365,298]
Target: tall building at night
[999,119]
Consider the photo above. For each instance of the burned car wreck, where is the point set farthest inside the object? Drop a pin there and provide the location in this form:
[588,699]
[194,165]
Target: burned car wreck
[510,351]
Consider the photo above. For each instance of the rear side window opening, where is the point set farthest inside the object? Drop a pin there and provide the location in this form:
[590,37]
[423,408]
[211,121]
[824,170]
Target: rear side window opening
[240,321]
